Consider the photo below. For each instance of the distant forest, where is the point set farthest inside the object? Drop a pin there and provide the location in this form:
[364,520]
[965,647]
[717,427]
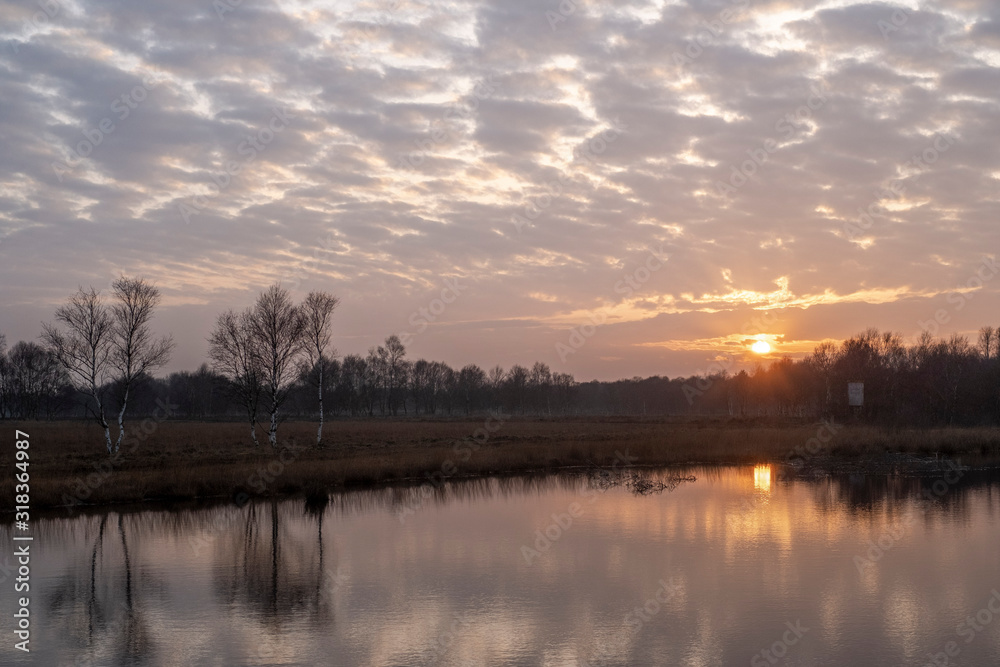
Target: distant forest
[931,382]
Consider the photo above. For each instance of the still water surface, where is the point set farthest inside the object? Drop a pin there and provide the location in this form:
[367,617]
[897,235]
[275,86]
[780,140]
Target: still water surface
[738,567]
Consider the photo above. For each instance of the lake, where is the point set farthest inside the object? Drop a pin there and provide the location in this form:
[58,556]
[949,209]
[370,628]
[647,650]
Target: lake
[697,566]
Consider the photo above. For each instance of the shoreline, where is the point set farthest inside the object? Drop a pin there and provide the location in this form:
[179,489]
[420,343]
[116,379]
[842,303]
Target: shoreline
[181,462]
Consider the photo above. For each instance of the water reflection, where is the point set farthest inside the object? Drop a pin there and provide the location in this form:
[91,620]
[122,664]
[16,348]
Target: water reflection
[881,569]
[762,478]
[98,603]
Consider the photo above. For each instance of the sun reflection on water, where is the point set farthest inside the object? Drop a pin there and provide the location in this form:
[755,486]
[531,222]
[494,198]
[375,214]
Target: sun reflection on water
[762,478]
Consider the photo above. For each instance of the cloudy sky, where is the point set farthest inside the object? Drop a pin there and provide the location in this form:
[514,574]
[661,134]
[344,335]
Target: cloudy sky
[687,175]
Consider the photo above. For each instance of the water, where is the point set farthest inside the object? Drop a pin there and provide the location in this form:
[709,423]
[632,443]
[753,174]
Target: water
[712,572]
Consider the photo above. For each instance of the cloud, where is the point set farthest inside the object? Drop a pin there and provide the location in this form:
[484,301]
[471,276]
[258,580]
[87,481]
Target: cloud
[418,130]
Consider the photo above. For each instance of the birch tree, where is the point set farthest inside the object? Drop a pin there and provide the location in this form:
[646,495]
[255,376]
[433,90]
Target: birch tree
[134,350]
[317,311]
[80,339]
[279,327]
[236,355]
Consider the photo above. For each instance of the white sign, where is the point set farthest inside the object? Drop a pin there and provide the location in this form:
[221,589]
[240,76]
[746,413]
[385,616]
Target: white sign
[856,393]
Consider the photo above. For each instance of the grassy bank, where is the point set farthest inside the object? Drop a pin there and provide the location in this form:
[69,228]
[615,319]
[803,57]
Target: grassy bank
[187,460]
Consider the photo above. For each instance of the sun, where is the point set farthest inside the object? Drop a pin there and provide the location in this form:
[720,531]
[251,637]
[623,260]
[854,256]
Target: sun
[761,347]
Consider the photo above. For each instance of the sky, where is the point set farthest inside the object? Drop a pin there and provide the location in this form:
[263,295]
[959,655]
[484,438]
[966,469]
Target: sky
[614,189]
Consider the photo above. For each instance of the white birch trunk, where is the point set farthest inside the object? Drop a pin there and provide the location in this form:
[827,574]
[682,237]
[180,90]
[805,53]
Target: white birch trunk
[272,434]
[104,421]
[121,422]
[319,432]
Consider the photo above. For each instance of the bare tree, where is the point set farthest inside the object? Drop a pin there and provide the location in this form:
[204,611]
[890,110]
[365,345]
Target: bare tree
[279,327]
[81,341]
[35,378]
[134,351]
[375,365]
[354,377]
[317,311]
[495,379]
[235,354]
[391,356]
[540,385]
[824,360]
[471,384]
[988,341]
[515,385]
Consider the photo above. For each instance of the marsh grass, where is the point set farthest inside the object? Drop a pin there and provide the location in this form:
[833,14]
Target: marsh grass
[193,460]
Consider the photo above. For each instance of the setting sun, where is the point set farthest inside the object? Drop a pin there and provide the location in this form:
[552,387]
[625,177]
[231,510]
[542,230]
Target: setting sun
[761,347]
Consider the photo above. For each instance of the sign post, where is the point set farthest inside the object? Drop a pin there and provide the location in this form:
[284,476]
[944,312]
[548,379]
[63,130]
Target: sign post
[855,396]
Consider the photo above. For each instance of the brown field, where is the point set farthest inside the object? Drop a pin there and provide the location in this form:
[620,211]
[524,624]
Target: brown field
[194,460]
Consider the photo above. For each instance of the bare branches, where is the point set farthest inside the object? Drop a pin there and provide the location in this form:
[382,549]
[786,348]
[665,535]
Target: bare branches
[81,342]
[32,378]
[134,351]
[260,349]
[279,327]
[988,337]
[96,344]
[317,311]
[235,354]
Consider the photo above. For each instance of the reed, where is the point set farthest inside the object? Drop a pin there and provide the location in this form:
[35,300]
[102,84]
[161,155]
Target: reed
[194,460]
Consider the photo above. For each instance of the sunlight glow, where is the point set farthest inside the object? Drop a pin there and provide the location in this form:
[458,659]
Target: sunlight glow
[762,478]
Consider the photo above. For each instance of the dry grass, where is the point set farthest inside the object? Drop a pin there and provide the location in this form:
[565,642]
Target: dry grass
[188,460]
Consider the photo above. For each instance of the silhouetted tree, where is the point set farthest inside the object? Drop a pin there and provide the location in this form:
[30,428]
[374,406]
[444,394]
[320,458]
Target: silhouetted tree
[278,327]
[34,380]
[81,341]
[235,353]
[318,310]
[134,351]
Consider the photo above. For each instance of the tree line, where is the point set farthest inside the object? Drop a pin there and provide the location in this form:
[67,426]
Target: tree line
[949,381]
[275,360]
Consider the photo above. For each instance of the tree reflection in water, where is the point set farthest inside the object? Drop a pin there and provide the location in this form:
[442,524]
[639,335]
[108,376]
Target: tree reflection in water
[276,566]
[271,570]
[117,631]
